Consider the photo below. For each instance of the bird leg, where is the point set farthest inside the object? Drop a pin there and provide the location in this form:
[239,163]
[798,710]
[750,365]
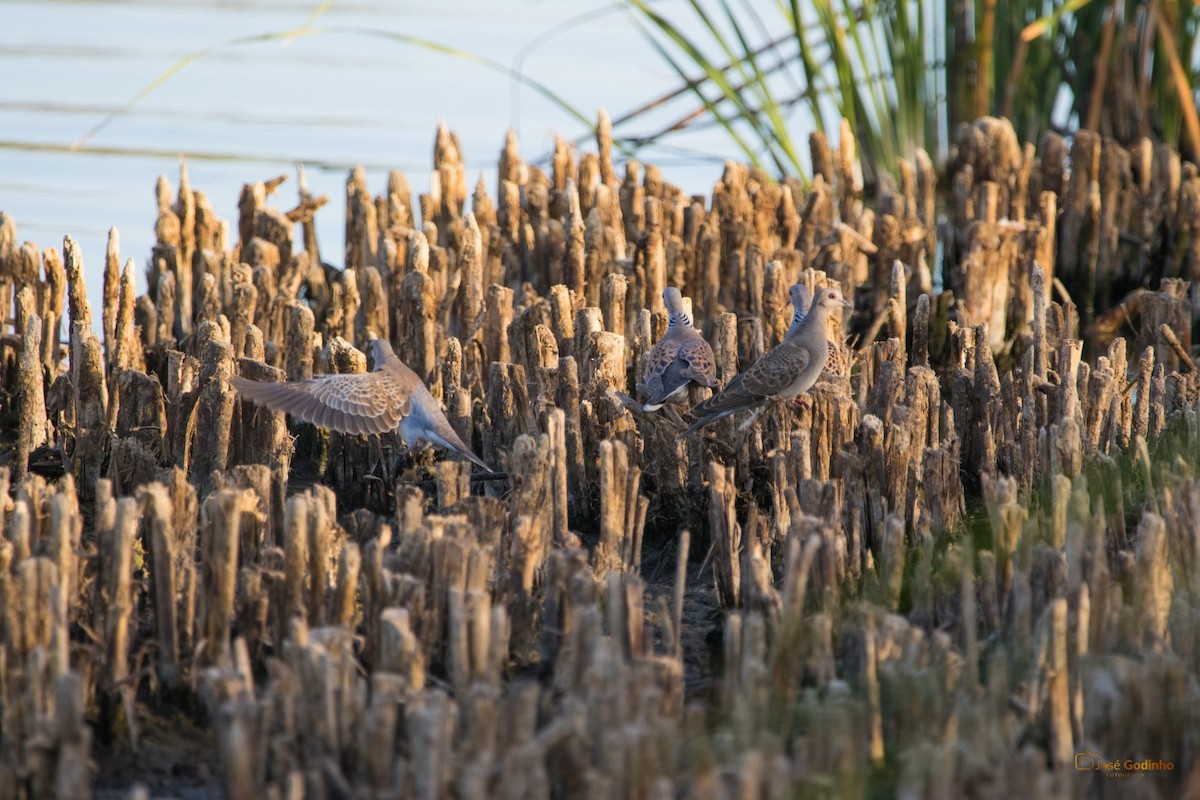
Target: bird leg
[379,470]
[798,402]
[377,448]
[406,456]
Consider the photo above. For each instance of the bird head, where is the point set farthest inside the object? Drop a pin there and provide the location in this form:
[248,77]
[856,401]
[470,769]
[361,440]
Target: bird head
[379,351]
[830,298]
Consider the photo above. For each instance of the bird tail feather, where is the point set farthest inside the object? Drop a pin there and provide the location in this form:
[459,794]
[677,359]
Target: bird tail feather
[628,401]
[705,421]
[447,438]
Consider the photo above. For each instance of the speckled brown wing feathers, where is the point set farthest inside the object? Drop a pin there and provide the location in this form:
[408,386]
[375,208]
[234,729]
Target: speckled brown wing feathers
[701,366]
[390,398]
[777,370]
[662,356]
[357,404]
[769,376]
[676,360]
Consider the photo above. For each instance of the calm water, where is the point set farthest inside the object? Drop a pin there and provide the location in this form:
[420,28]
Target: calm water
[251,111]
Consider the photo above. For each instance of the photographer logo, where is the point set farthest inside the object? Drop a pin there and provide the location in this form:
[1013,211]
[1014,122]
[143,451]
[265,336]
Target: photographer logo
[1091,761]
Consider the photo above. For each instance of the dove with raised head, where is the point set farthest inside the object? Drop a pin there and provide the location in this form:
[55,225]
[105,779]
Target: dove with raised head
[390,397]
[679,360]
[789,368]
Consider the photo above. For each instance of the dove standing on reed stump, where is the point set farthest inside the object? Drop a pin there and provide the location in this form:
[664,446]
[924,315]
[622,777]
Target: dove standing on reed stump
[374,402]
[678,360]
[801,299]
[791,367]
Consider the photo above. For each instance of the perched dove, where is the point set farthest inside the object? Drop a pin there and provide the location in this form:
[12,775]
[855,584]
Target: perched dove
[801,298]
[678,360]
[791,367]
[375,402]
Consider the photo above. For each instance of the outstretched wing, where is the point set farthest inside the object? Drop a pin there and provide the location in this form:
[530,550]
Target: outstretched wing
[364,403]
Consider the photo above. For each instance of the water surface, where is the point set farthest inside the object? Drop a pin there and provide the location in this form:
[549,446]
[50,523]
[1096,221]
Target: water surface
[331,100]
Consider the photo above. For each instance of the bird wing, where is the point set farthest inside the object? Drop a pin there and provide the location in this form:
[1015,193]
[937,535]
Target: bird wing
[734,397]
[701,365]
[730,400]
[674,362]
[374,402]
[662,357]
[768,377]
[778,369]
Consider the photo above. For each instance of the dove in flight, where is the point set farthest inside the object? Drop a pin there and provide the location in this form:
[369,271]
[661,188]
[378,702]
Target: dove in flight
[789,368]
[374,402]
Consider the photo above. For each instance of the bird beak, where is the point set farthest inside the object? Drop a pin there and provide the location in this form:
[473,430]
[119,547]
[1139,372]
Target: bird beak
[846,303]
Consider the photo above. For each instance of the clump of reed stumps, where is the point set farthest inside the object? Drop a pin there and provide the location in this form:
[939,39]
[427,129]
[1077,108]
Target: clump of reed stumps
[967,560]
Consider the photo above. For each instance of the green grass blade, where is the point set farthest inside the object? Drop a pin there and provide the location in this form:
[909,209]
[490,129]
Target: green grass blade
[812,71]
[695,55]
[769,104]
[709,105]
[738,61]
[1050,22]
[316,13]
[875,98]
[716,76]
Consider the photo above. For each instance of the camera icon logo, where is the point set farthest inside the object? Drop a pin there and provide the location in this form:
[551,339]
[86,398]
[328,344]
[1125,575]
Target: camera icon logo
[1087,759]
